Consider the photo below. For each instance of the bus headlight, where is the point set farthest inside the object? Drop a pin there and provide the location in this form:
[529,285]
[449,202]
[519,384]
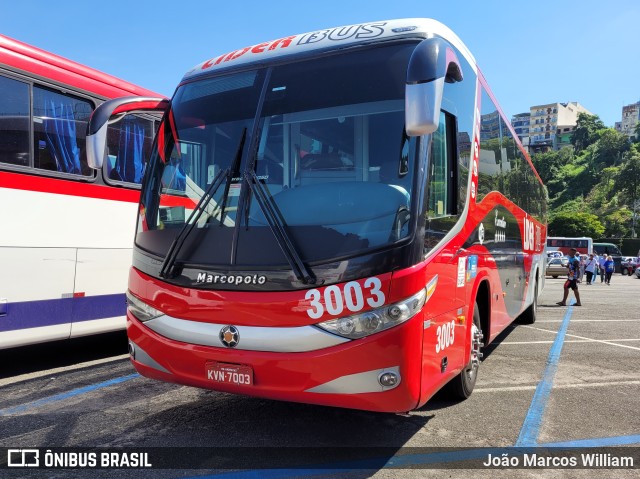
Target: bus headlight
[376,320]
[141,310]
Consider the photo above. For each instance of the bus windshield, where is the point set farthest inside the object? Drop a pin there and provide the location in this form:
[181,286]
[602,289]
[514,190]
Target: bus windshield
[326,144]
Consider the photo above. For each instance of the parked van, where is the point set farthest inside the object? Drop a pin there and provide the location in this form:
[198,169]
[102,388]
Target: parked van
[610,249]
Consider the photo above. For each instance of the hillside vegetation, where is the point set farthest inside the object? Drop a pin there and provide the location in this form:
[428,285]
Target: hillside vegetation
[594,185]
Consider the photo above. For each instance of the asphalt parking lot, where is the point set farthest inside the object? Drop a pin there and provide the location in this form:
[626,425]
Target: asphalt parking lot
[571,380]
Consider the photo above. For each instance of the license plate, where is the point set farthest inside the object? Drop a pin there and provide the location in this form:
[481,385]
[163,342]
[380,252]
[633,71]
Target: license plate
[225,373]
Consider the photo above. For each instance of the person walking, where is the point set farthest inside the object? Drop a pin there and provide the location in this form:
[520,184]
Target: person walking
[590,268]
[609,268]
[603,258]
[582,266]
[572,280]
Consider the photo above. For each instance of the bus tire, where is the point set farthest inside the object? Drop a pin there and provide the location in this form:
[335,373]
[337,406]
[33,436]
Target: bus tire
[529,315]
[462,385]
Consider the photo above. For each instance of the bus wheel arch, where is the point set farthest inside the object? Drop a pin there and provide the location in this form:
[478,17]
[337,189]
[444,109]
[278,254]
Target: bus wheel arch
[528,316]
[483,304]
[462,385]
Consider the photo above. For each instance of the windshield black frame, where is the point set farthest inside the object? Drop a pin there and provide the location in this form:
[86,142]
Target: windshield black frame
[249,225]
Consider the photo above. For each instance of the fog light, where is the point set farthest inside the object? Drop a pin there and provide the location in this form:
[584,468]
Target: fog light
[132,350]
[346,326]
[396,311]
[371,322]
[388,379]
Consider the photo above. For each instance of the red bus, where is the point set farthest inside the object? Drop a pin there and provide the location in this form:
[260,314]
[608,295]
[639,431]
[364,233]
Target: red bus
[343,217]
[583,245]
[63,224]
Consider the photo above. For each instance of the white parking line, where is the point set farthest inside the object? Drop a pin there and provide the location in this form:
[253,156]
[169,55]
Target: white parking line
[569,341]
[589,321]
[559,386]
[603,342]
[590,340]
[49,372]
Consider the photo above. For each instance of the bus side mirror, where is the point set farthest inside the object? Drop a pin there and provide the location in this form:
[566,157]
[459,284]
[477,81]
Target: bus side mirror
[432,63]
[110,111]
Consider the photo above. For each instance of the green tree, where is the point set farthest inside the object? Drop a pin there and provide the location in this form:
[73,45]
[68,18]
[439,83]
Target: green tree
[549,163]
[628,178]
[637,131]
[576,224]
[609,148]
[576,205]
[617,224]
[586,130]
[602,195]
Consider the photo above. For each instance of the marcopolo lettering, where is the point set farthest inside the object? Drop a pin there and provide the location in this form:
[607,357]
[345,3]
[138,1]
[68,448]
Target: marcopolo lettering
[237,279]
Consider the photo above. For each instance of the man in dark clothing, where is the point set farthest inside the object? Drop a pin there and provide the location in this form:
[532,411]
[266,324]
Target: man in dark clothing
[572,279]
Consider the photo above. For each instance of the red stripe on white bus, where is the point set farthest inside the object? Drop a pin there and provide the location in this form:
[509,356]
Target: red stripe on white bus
[58,186]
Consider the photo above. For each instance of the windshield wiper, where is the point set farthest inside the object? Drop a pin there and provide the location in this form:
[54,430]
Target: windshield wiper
[277,226]
[235,171]
[168,269]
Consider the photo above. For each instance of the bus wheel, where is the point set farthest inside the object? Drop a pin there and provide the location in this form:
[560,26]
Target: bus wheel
[462,385]
[529,315]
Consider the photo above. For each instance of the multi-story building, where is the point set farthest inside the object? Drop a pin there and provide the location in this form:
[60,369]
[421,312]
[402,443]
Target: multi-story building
[630,118]
[549,120]
[521,123]
[490,126]
[564,133]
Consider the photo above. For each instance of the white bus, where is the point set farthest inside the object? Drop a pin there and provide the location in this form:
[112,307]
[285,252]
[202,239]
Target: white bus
[67,232]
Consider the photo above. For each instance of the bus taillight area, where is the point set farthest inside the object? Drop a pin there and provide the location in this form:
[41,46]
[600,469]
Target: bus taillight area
[376,373]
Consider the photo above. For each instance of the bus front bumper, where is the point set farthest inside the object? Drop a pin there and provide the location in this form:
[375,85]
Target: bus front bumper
[377,373]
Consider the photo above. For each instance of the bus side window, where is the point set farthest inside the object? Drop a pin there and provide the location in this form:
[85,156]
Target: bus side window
[60,123]
[442,174]
[14,122]
[442,190]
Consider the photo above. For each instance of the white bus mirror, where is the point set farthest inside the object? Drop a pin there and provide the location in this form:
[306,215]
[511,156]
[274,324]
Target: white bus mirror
[432,63]
[104,115]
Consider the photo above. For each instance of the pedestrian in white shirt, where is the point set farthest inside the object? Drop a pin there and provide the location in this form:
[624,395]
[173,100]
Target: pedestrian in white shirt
[590,268]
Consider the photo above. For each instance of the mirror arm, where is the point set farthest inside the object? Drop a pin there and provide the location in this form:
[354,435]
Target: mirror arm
[432,63]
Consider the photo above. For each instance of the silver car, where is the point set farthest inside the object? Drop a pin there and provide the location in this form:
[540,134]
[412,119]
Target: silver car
[557,267]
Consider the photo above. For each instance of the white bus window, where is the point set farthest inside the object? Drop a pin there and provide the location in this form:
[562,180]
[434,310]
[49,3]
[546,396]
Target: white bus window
[14,122]
[60,124]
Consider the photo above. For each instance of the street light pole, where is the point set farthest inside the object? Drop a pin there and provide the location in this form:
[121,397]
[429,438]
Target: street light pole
[636,206]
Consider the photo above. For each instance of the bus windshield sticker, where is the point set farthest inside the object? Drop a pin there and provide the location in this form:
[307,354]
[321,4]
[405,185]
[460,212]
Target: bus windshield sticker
[472,267]
[462,266]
